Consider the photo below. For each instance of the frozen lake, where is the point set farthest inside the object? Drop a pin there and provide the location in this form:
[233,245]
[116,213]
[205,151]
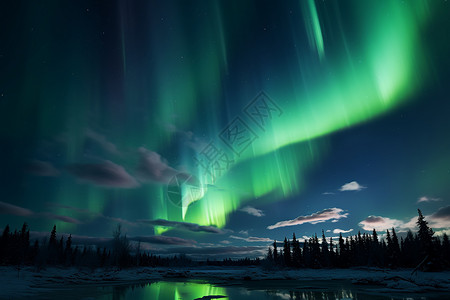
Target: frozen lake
[196,289]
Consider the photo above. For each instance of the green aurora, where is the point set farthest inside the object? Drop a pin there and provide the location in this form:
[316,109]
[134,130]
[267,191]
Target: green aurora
[88,83]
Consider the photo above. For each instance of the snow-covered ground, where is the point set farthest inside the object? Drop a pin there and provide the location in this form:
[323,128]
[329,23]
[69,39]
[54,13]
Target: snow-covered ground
[29,281]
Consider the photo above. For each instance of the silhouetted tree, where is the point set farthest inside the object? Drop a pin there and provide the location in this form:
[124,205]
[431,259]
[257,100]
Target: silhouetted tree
[445,250]
[287,252]
[325,257]
[121,248]
[395,249]
[275,251]
[269,256]
[425,235]
[296,252]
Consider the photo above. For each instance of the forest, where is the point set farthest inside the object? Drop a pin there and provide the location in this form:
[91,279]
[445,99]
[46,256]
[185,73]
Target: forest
[421,250]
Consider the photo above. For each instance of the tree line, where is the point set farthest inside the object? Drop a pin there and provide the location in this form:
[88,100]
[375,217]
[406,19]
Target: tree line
[422,250]
[17,250]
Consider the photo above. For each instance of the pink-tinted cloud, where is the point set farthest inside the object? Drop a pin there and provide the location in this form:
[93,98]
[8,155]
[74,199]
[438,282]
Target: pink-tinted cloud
[152,167]
[438,220]
[42,168]
[318,217]
[253,211]
[9,209]
[427,199]
[106,174]
[441,218]
[379,223]
[92,214]
[251,239]
[102,141]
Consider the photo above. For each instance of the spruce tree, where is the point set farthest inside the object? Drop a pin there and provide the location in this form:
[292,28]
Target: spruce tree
[275,251]
[325,251]
[446,249]
[52,241]
[395,248]
[287,252]
[425,235]
[296,252]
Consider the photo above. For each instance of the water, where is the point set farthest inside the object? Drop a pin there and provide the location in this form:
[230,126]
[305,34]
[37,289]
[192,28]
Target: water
[270,290]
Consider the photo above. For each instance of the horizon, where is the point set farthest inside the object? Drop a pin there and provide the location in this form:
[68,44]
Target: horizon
[222,126]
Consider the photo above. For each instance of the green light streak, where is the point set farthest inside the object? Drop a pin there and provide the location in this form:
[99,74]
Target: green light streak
[313,29]
[345,96]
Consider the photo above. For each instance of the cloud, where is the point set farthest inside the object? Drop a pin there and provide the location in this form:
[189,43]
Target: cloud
[437,220]
[106,174]
[76,239]
[9,209]
[380,223]
[243,232]
[163,240]
[102,141]
[252,211]
[182,225]
[427,199]
[247,251]
[187,137]
[352,186]
[327,193]
[318,217]
[94,214]
[65,219]
[251,239]
[42,168]
[337,231]
[106,241]
[440,219]
[152,168]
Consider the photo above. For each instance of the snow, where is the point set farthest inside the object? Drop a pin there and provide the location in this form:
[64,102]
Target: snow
[30,281]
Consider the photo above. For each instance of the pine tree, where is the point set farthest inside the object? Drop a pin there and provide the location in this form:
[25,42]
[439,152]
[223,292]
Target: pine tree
[52,241]
[296,252]
[342,253]
[5,234]
[325,251]
[69,243]
[287,252]
[306,254]
[425,234]
[269,254]
[275,251]
[395,248]
[332,253]
[446,249]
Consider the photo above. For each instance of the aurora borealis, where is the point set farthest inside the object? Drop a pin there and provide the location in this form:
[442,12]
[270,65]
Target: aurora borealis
[203,124]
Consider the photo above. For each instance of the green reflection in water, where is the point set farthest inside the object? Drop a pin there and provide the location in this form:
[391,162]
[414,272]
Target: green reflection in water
[169,291]
[261,290]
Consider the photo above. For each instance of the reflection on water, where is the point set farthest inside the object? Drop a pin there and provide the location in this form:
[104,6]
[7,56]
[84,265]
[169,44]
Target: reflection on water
[175,290]
[168,290]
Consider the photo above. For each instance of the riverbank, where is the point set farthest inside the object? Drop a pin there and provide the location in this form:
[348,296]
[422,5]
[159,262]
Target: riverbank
[28,281]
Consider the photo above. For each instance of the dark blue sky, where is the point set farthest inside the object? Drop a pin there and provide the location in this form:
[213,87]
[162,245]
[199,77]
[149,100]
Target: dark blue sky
[222,123]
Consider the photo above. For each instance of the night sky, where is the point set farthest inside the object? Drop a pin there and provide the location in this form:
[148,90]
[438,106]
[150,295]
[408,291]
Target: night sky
[216,127]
